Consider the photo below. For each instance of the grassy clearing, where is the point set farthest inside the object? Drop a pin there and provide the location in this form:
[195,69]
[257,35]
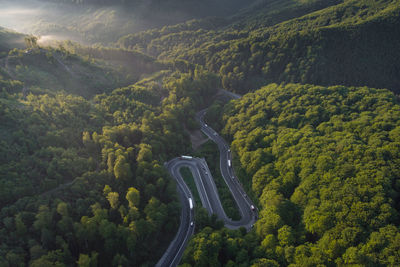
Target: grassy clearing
[211,153]
[189,180]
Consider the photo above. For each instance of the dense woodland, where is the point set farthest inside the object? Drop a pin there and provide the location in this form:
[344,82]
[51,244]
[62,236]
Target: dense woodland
[353,43]
[192,7]
[324,163]
[82,180]
[85,130]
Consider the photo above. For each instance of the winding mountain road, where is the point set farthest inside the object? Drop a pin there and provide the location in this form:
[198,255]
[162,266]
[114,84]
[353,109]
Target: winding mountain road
[245,205]
[173,254]
[208,193]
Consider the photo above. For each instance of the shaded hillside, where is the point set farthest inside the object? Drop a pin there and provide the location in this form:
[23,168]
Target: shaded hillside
[91,21]
[10,40]
[163,8]
[47,69]
[350,43]
[131,63]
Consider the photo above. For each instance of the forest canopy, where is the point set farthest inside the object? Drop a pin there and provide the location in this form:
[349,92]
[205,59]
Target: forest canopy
[82,180]
[350,43]
[323,163]
[85,130]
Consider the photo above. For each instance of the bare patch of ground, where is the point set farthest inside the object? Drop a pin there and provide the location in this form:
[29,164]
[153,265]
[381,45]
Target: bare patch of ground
[197,138]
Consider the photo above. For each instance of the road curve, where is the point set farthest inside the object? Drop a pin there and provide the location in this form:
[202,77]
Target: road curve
[208,193]
[173,254]
[248,215]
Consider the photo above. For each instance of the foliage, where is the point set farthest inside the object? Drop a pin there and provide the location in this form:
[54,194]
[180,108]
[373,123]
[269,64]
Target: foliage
[324,164]
[211,154]
[48,70]
[222,247]
[82,181]
[349,43]
[189,180]
[132,63]
[81,163]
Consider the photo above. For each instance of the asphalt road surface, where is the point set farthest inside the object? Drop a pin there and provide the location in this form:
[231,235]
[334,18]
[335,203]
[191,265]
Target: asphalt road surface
[173,254]
[208,193]
[248,215]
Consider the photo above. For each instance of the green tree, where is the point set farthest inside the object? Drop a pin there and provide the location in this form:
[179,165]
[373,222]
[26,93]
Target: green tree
[133,197]
[88,261]
[113,199]
[62,209]
[122,169]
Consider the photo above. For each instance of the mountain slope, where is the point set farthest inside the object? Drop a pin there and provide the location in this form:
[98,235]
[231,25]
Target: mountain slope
[90,22]
[10,40]
[78,70]
[350,43]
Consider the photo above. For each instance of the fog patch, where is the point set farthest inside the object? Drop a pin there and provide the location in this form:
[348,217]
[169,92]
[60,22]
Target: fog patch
[97,24]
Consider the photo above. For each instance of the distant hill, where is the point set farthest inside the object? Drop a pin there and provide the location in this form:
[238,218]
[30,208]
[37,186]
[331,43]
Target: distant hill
[10,39]
[89,21]
[192,8]
[55,70]
[319,42]
[70,67]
